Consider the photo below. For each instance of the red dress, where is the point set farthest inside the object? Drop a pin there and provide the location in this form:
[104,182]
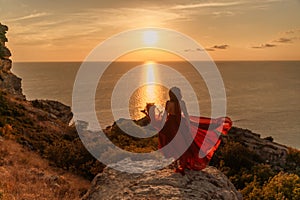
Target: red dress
[205,138]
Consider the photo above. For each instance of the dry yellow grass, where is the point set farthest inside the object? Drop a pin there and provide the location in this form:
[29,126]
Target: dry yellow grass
[25,175]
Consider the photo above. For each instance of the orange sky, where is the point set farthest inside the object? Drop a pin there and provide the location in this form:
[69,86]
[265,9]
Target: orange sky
[227,29]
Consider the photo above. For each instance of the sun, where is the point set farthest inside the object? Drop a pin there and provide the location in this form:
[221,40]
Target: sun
[150,37]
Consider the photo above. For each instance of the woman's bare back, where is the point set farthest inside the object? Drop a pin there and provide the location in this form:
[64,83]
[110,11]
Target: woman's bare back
[170,108]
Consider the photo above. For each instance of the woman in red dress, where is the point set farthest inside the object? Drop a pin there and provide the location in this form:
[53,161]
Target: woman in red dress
[193,140]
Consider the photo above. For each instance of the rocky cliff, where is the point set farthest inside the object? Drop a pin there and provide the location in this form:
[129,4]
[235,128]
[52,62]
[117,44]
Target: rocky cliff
[9,82]
[268,152]
[4,51]
[55,109]
[209,183]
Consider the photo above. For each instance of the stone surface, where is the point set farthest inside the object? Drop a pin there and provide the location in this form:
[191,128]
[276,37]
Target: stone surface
[209,183]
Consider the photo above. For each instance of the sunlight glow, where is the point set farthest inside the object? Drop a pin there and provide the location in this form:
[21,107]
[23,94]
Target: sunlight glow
[150,79]
[150,82]
[150,37]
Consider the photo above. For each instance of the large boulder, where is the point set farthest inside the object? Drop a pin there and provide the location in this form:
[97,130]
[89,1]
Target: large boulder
[209,183]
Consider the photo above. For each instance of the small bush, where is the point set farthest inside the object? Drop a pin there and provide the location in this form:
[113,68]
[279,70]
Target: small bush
[293,161]
[281,186]
[235,156]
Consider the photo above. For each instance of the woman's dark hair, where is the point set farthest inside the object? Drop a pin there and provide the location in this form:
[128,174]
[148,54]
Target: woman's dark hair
[175,94]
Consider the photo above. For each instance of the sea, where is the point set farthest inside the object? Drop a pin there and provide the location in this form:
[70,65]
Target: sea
[262,96]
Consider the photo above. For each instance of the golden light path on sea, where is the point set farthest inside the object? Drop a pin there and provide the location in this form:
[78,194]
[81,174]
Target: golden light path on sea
[151,77]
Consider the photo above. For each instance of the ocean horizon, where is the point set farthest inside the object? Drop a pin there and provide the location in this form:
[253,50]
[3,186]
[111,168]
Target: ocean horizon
[262,96]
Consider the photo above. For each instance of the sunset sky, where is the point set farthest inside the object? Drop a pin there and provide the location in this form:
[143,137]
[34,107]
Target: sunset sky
[63,30]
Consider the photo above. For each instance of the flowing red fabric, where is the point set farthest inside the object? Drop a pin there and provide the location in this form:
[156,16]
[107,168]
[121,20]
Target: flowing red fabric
[206,133]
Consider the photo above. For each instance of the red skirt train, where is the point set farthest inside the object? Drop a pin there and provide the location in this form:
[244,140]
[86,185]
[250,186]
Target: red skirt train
[200,142]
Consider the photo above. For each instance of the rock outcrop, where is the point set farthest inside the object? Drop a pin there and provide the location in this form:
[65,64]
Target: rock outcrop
[55,109]
[4,51]
[209,183]
[269,151]
[9,82]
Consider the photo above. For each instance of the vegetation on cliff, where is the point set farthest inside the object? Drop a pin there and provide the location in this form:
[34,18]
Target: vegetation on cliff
[38,130]
[253,174]
[25,175]
[59,143]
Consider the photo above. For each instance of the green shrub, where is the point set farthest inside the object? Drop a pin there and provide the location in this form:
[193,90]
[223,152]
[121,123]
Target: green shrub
[282,186]
[293,161]
[235,156]
[262,173]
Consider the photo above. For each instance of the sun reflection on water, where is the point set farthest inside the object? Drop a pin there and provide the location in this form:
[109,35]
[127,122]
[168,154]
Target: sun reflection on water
[150,92]
[151,77]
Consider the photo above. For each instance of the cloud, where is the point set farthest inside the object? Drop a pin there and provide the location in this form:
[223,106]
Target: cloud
[294,31]
[31,16]
[223,13]
[270,45]
[285,37]
[284,40]
[213,48]
[120,17]
[203,5]
[223,46]
[288,36]
[193,50]
[208,4]
[56,29]
[209,49]
[262,46]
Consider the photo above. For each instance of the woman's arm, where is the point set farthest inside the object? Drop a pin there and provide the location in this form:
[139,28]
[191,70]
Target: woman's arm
[184,110]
